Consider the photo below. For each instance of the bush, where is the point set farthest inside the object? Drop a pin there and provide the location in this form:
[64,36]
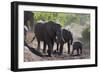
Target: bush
[86,34]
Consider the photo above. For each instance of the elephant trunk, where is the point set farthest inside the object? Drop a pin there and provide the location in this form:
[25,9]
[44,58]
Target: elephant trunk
[60,36]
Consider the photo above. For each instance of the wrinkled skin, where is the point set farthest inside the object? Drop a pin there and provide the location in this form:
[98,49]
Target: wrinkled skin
[78,47]
[67,38]
[47,32]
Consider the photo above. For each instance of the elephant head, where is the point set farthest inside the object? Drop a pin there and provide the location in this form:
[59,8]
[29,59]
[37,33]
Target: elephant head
[58,31]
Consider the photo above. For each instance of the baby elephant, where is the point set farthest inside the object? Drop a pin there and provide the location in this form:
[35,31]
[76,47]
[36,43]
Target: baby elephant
[78,47]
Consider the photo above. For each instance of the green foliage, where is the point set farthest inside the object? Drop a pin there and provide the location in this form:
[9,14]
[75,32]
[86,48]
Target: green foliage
[62,18]
[86,34]
[84,18]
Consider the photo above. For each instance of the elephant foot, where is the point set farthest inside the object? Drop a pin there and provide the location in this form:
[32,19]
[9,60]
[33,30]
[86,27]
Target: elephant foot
[68,52]
[44,51]
[49,56]
[59,53]
[72,54]
[78,54]
[54,52]
[49,53]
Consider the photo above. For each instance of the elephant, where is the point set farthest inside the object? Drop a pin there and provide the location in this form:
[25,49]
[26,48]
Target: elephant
[67,38]
[78,47]
[47,32]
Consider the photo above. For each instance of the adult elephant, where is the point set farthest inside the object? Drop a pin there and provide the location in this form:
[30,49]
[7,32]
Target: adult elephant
[66,38]
[47,32]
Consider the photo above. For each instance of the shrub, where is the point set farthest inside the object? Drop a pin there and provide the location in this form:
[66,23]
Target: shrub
[86,34]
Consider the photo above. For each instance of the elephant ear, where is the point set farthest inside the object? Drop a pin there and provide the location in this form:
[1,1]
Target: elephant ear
[57,27]
[59,33]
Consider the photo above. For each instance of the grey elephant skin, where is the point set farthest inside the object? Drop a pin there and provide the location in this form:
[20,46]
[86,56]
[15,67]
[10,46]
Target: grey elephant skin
[47,32]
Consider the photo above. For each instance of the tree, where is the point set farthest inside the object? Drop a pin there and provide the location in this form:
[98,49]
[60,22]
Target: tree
[62,18]
[29,19]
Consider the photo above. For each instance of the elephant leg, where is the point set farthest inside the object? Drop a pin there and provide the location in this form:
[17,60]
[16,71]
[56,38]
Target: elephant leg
[49,51]
[52,46]
[73,51]
[68,47]
[38,47]
[44,47]
[57,47]
[61,48]
[56,50]
[78,51]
